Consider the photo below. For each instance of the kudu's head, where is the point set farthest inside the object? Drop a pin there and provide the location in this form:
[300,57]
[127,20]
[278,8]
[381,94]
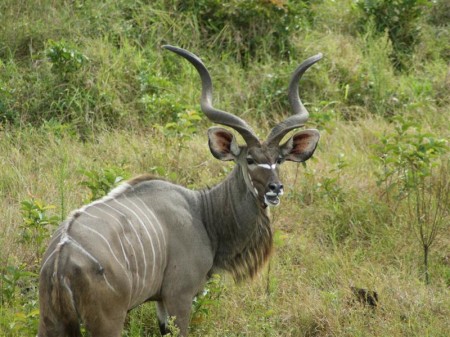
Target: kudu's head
[259,160]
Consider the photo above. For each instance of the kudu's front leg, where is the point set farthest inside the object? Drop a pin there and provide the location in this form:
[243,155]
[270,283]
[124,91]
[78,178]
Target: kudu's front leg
[178,307]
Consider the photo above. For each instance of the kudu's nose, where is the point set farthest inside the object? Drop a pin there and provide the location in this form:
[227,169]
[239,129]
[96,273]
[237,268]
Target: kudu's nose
[276,188]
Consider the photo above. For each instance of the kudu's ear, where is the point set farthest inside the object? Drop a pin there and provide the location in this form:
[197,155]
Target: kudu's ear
[301,146]
[223,144]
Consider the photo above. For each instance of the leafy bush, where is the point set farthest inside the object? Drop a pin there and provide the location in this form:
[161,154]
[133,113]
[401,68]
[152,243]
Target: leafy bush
[244,26]
[440,13]
[37,224]
[405,154]
[18,289]
[184,127]
[270,97]
[207,300]
[64,58]
[7,113]
[100,182]
[400,18]
[160,101]
[410,158]
[11,278]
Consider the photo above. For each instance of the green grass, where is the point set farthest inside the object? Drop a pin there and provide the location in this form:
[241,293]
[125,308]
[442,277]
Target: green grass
[107,107]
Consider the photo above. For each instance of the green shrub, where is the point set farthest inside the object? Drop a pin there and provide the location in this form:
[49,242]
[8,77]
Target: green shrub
[160,99]
[18,291]
[406,154]
[250,29]
[184,127]
[439,14]
[375,86]
[207,300]
[7,113]
[100,182]
[64,58]
[410,159]
[37,225]
[400,18]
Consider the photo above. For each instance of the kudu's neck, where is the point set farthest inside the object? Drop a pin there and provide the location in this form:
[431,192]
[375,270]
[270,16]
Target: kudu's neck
[238,226]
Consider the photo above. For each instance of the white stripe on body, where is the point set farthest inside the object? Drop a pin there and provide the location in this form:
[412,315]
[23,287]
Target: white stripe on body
[84,251]
[160,248]
[140,243]
[123,252]
[118,236]
[59,235]
[68,239]
[129,243]
[66,286]
[110,196]
[80,247]
[149,237]
[110,249]
[47,259]
[159,226]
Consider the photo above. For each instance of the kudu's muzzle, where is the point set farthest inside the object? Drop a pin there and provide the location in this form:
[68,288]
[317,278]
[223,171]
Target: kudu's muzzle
[274,191]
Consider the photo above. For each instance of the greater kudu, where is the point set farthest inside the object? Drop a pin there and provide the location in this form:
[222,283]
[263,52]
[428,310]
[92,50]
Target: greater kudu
[149,239]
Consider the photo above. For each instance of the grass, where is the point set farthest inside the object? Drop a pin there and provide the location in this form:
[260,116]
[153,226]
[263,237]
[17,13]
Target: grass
[327,244]
[110,111]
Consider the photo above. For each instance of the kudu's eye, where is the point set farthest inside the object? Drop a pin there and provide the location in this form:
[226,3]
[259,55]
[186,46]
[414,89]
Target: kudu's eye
[279,161]
[250,161]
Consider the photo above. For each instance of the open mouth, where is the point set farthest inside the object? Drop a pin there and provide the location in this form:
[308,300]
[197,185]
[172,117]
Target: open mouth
[272,199]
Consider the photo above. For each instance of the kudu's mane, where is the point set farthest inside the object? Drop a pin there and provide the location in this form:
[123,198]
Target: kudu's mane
[248,262]
[247,229]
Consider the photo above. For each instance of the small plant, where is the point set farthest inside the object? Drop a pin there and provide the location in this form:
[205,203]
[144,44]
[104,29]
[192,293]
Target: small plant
[184,127]
[11,278]
[161,107]
[429,210]
[7,115]
[325,115]
[37,224]
[329,187]
[405,155]
[65,59]
[101,182]
[157,100]
[409,158]
[270,100]
[58,129]
[208,299]
[172,327]
[151,83]
[18,289]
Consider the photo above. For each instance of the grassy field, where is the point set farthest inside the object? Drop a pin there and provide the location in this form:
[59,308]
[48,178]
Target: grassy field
[88,97]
